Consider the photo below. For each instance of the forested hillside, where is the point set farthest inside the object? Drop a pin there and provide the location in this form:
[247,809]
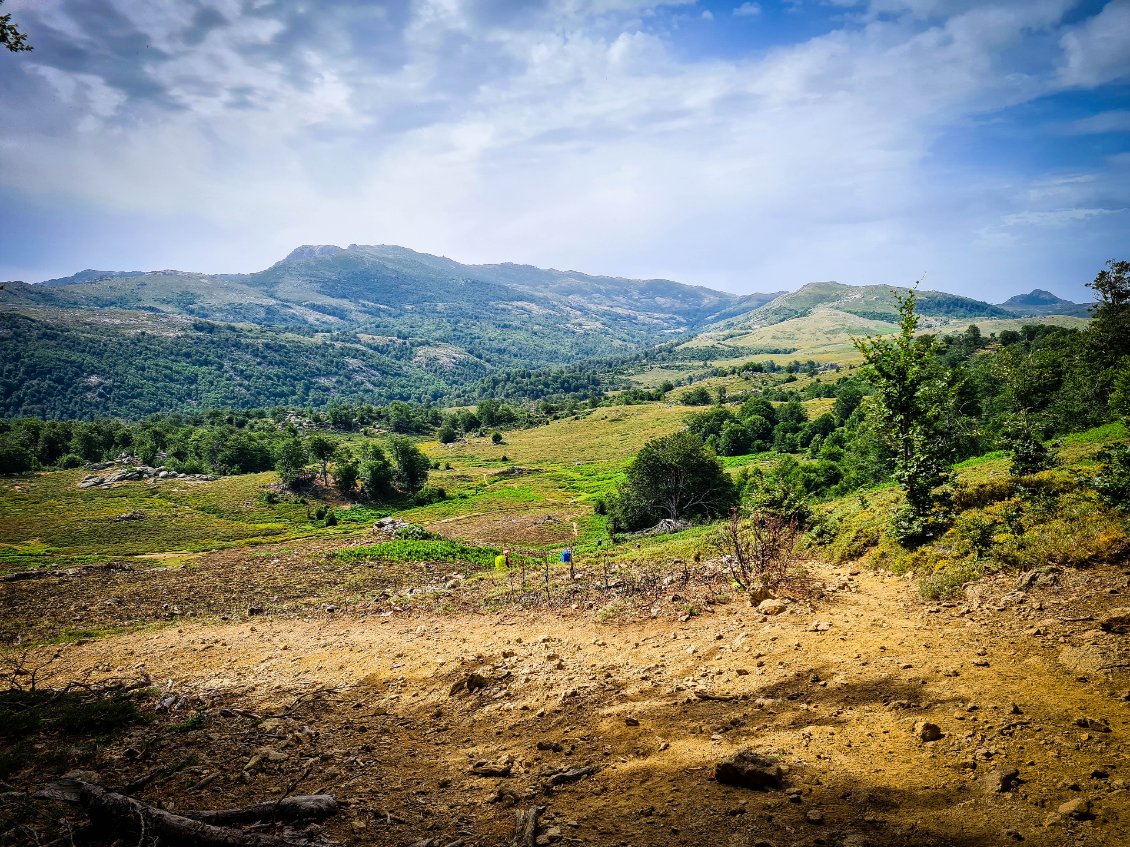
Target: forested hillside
[383,323]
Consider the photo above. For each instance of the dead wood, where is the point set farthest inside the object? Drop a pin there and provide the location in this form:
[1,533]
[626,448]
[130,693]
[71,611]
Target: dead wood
[571,775]
[723,698]
[312,807]
[526,827]
[119,813]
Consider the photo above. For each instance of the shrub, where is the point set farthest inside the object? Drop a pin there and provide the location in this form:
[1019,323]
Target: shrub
[496,437]
[434,550]
[414,532]
[1113,481]
[760,553]
[941,577]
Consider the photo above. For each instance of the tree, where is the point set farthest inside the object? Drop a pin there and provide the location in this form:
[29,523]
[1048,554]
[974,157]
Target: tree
[376,472]
[913,413]
[1110,326]
[322,449]
[675,476]
[410,466]
[345,475]
[291,461]
[10,35]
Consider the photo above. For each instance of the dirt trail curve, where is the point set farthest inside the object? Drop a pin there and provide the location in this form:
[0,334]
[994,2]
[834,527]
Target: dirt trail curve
[437,726]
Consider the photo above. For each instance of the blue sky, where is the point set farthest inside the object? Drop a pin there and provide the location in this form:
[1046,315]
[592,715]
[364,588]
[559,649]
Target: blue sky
[746,146]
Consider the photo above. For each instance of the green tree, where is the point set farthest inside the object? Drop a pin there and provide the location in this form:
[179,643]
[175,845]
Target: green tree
[322,449]
[912,407]
[376,472]
[410,466]
[675,476]
[10,35]
[345,475]
[1110,326]
[291,461]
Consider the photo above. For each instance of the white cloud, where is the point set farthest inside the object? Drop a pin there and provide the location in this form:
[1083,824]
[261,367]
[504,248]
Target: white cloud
[747,10]
[569,136]
[1098,50]
[1117,120]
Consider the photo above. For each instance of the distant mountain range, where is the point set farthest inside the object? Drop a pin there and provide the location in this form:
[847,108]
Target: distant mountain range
[373,322]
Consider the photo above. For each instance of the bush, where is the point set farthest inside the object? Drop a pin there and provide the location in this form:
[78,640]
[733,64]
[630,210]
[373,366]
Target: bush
[429,494]
[675,476]
[408,550]
[1113,481]
[413,532]
[331,519]
[15,459]
[69,462]
[942,578]
[496,437]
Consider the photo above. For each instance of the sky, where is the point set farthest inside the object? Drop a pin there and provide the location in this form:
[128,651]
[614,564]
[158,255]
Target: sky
[983,147]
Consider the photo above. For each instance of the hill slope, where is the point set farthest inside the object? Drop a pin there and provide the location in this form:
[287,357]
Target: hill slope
[382,323]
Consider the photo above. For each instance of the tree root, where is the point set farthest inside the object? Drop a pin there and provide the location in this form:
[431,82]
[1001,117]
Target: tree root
[119,813]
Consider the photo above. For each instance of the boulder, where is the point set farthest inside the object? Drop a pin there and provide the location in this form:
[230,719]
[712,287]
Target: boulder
[1116,620]
[926,731]
[748,769]
[772,607]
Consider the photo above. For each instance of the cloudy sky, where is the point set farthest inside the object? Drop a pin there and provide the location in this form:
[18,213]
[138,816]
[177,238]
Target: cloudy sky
[750,146]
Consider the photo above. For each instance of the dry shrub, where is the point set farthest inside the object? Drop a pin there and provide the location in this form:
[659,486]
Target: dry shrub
[760,552]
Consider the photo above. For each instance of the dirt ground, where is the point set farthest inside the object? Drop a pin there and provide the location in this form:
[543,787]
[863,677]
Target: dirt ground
[371,704]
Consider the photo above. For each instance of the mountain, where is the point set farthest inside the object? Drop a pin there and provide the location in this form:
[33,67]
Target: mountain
[871,302]
[362,322]
[382,323]
[1039,302]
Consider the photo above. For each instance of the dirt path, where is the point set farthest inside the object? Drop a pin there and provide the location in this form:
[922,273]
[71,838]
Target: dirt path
[834,691]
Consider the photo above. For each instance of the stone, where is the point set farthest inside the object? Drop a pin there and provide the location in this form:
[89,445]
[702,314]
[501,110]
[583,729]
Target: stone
[630,721]
[814,816]
[1078,809]
[926,731]
[772,607]
[1092,724]
[1116,620]
[1001,780]
[747,769]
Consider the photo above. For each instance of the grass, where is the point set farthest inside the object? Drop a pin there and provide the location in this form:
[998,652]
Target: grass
[46,520]
[404,550]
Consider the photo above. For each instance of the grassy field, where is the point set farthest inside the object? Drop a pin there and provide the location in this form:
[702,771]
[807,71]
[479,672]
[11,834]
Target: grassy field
[47,520]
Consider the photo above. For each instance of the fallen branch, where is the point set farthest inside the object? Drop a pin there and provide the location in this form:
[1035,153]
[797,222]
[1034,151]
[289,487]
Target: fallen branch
[724,698]
[571,775]
[526,827]
[120,813]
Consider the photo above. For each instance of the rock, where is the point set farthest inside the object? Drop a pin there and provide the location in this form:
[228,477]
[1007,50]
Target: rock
[551,746]
[1116,620]
[748,769]
[254,610]
[91,481]
[772,607]
[1078,809]
[1001,780]
[630,721]
[821,626]
[500,768]
[926,731]
[470,683]
[814,816]
[1093,725]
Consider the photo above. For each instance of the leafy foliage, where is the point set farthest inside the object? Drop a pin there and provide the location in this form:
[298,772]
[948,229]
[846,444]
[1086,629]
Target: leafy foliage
[913,407]
[675,476]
